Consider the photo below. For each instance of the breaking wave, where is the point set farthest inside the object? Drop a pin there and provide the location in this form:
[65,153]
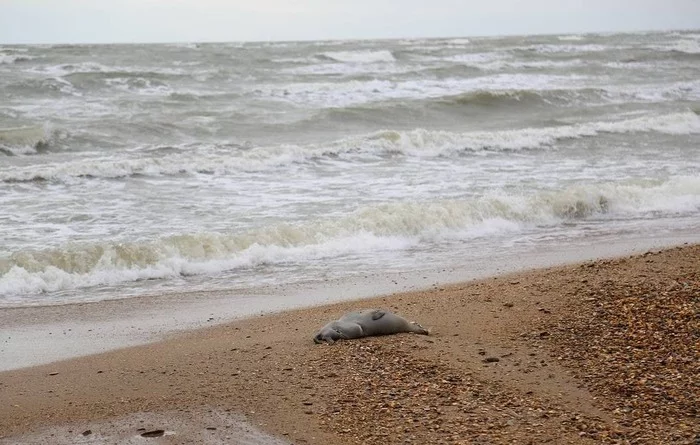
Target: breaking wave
[28,140]
[413,143]
[8,59]
[685,46]
[390,226]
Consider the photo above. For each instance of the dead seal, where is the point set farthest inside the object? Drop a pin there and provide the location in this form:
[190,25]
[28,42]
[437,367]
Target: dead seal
[366,323]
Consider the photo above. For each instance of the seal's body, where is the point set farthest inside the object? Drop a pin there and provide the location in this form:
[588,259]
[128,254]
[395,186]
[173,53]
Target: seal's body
[364,324]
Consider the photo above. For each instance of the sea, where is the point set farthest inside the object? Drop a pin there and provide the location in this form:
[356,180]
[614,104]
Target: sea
[130,170]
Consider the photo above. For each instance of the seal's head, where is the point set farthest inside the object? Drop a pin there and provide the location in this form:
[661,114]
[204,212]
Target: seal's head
[418,329]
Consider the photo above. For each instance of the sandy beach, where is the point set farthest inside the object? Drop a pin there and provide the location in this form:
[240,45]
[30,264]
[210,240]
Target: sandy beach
[603,351]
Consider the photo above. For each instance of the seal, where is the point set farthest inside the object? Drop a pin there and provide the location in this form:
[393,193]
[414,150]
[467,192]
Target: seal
[366,323]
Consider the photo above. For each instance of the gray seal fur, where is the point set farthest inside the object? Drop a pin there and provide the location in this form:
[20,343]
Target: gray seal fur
[366,323]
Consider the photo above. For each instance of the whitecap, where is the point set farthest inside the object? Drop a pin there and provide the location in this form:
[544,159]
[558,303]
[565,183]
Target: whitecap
[360,56]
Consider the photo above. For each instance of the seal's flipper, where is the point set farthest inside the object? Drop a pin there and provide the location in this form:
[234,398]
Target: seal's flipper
[377,314]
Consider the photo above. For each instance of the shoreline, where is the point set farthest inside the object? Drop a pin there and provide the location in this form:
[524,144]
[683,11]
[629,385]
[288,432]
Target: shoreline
[517,357]
[36,335]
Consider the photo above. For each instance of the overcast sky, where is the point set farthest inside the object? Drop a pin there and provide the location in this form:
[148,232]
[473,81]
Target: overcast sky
[99,21]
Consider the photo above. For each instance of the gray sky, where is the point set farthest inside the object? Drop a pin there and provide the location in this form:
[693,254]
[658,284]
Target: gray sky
[100,21]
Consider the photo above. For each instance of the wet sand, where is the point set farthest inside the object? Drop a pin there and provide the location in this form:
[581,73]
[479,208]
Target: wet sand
[603,351]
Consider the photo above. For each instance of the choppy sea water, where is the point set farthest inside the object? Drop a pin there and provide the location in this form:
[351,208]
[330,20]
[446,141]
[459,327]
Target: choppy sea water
[133,169]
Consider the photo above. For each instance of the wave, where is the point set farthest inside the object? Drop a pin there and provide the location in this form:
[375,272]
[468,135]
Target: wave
[347,69]
[78,79]
[563,48]
[498,61]
[73,78]
[459,41]
[683,91]
[551,89]
[28,140]
[354,92]
[513,97]
[444,143]
[84,68]
[476,59]
[184,45]
[8,59]
[383,227]
[486,61]
[143,82]
[358,56]
[208,159]
[570,38]
[685,46]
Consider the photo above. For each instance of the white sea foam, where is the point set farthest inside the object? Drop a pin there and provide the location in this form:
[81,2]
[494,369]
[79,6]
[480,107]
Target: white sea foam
[360,56]
[372,228]
[548,48]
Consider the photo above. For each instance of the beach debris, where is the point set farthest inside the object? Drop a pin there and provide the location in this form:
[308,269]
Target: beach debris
[491,360]
[87,432]
[53,373]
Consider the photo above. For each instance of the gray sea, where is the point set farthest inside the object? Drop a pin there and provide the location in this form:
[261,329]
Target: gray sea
[137,169]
